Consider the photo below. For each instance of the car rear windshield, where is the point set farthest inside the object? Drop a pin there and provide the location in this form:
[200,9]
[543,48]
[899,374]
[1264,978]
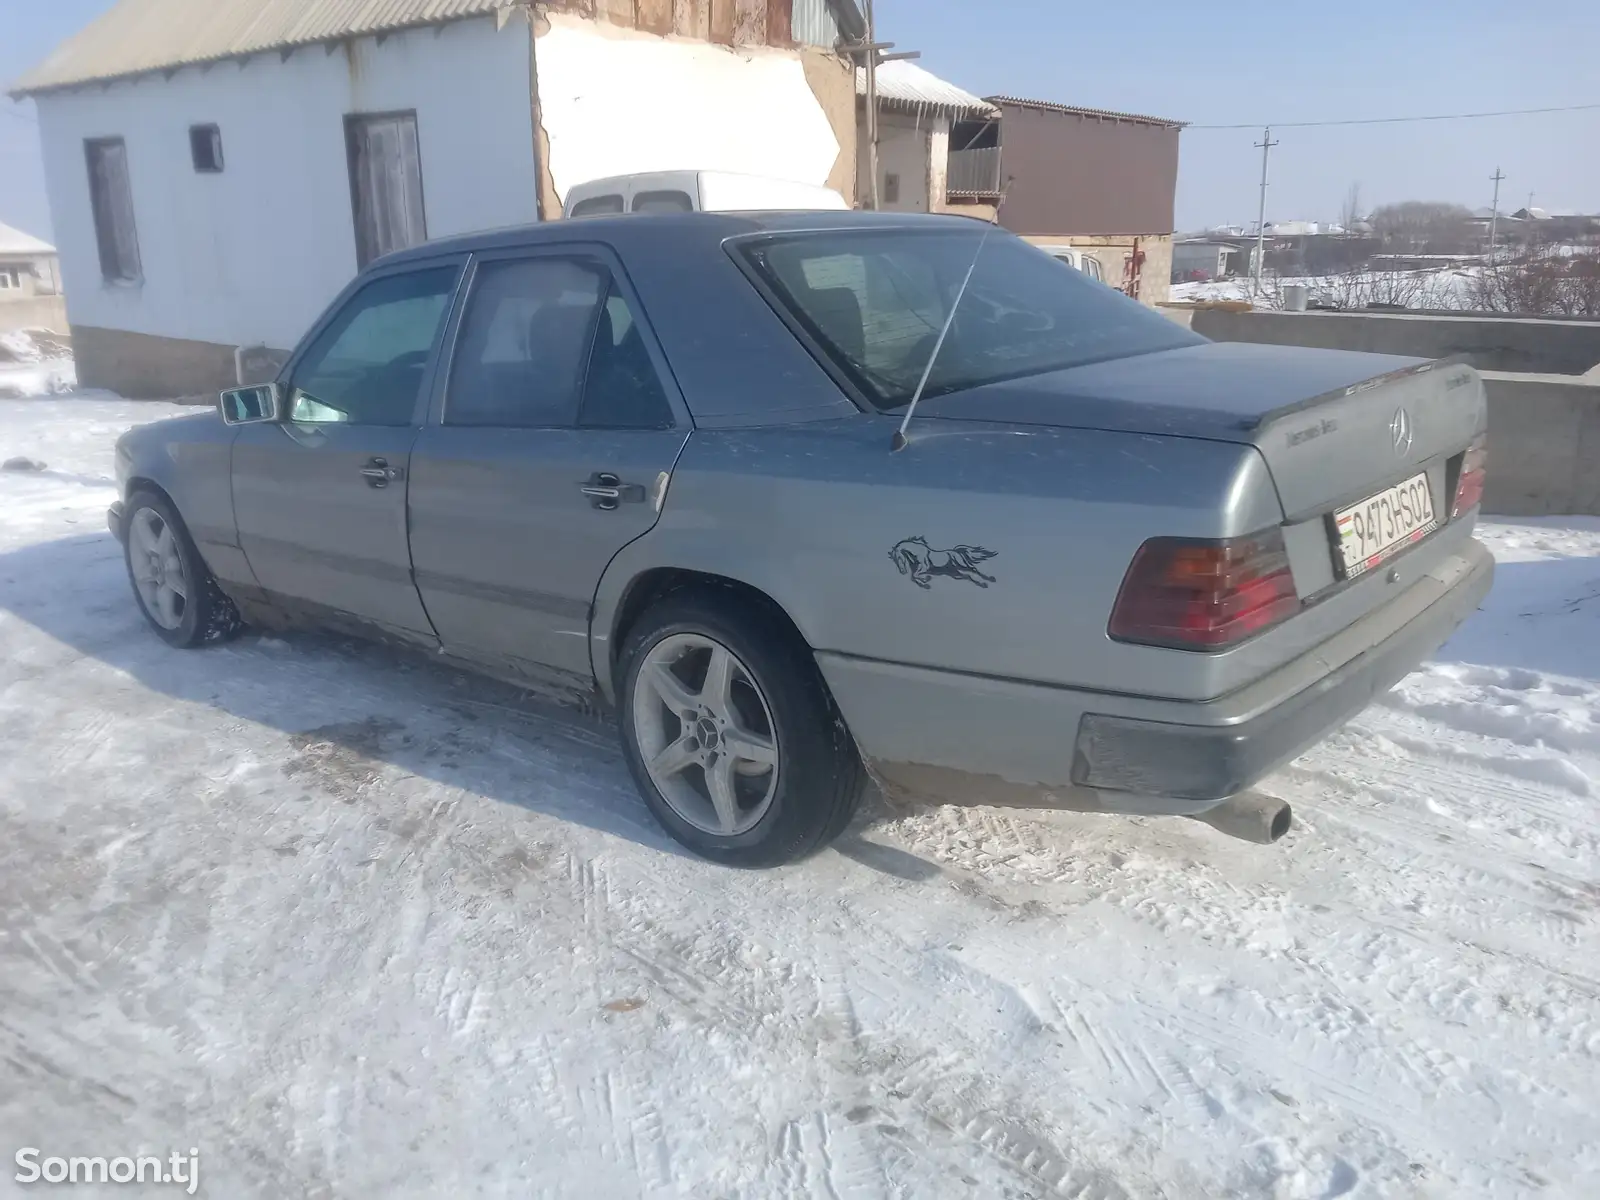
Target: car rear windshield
[873,302]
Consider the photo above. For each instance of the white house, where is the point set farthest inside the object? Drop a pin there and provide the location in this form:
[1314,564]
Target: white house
[30,283]
[938,145]
[217,169]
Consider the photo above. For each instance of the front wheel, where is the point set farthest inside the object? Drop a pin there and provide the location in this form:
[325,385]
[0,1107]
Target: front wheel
[175,589]
[731,735]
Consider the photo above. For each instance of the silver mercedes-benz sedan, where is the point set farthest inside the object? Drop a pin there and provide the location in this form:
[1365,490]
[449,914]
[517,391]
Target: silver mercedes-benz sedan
[808,496]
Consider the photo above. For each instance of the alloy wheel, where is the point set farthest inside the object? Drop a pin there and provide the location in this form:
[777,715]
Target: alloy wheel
[157,568]
[705,734]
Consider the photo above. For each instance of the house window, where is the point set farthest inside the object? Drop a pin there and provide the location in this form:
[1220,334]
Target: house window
[9,279]
[205,147]
[111,199]
[385,183]
[891,188]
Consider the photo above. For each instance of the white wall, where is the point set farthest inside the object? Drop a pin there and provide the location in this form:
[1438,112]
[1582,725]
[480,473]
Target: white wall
[255,253]
[614,101]
[906,147]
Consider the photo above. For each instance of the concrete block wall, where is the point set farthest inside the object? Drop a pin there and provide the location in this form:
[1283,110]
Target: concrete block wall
[1488,343]
[34,312]
[1544,445]
[142,367]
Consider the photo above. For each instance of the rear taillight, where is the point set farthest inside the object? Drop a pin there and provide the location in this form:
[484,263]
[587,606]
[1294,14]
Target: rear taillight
[1469,484]
[1204,595]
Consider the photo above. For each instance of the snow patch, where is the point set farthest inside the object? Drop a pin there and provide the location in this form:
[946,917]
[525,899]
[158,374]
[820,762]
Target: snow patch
[355,925]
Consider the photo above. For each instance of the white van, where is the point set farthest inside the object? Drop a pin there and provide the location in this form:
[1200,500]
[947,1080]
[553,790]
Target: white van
[694,191]
[1077,260]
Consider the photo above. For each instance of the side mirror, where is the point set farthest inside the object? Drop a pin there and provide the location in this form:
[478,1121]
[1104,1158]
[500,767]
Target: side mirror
[254,405]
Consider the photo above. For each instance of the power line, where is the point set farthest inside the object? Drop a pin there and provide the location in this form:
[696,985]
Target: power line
[1509,112]
[19,115]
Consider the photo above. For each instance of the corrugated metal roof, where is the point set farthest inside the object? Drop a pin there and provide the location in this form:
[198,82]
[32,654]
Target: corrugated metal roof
[148,35]
[14,241]
[1104,114]
[813,23]
[903,84]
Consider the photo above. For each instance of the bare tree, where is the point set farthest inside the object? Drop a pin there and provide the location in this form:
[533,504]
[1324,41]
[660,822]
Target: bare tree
[1425,227]
[1350,213]
[1547,280]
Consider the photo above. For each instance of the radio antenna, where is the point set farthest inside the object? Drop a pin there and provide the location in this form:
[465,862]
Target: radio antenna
[900,441]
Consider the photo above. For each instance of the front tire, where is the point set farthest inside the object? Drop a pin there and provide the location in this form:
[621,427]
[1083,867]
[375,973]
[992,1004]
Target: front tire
[730,733]
[172,585]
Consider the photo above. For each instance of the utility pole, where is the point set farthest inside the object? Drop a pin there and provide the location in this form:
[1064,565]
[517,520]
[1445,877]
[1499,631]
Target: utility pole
[872,110]
[1494,210]
[869,55]
[1266,144]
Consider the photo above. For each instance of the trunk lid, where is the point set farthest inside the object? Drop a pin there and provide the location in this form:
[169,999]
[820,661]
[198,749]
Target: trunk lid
[1332,425]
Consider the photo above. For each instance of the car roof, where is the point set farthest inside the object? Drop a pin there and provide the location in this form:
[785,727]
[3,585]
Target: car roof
[695,226]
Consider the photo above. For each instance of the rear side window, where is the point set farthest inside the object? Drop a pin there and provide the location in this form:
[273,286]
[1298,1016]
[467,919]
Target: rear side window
[552,342]
[524,342]
[874,302]
[598,206]
[622,390]
[665,201]
[366,367]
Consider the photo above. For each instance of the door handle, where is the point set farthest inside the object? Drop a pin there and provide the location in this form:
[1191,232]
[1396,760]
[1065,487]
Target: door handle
[378,472]
[606,490]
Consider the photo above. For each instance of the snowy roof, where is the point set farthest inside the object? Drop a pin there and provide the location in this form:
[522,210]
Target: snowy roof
[151,35]
[1072,110]
[903,84]
[14,241]
[138,36]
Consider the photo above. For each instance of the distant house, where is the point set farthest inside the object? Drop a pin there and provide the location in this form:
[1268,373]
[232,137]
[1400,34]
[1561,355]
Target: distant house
[30,283]
[938,146]
[1202,258]
[1104,182]
[218,169]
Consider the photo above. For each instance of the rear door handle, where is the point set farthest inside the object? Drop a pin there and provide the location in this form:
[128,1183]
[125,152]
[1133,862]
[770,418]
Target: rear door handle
[606,490]
[378,473]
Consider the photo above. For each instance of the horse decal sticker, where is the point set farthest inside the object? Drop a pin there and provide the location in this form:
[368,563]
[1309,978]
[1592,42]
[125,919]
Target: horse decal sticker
[914,557]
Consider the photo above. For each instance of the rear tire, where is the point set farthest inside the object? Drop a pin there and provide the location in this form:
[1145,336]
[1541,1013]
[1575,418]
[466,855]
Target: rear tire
[172,585]
[752,772]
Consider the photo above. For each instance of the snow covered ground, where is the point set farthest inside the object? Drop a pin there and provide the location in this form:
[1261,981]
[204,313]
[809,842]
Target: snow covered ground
[35,363]
[1447,288]
[356,926]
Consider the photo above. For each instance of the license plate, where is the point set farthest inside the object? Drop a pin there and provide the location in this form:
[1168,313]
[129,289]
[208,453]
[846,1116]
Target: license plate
[1382,525]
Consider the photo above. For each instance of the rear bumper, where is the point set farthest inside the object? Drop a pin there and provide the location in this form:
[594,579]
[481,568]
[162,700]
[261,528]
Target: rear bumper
[963,738]
[1213,762]
[116,521]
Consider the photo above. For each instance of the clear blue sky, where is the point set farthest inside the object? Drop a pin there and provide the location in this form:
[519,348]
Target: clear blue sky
[1208,63]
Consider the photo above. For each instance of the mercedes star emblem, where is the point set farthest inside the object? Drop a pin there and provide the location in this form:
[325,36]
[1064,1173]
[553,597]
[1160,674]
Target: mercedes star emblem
[1400,432]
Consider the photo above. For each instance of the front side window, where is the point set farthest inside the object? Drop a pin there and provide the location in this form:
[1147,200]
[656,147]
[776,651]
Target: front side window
[111,201]
[366,367]
[9,280]
[875,301]
[385,183]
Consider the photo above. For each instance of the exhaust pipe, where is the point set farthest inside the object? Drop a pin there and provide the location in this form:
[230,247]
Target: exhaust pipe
[1251,817]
